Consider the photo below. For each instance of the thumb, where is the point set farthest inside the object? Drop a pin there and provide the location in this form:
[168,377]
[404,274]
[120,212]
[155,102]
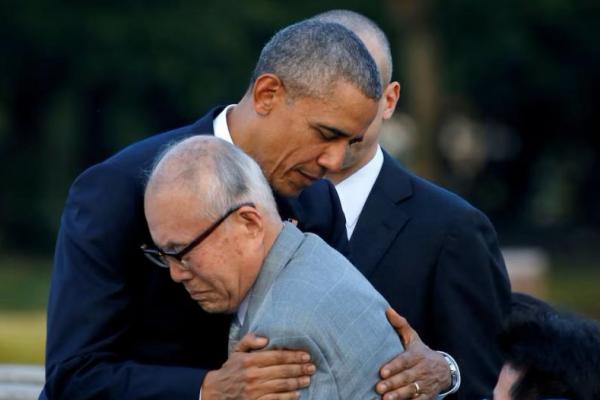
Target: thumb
[405,331]
[250,342]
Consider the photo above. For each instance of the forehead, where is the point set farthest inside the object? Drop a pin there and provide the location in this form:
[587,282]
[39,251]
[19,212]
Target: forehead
[173,215]
[343,106]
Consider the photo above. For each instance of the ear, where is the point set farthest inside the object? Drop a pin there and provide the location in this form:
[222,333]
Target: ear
[252,222]
[391,95]
[267,91]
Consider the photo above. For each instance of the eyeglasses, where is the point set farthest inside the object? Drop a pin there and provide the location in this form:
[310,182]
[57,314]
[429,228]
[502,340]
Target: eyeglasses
[162,258]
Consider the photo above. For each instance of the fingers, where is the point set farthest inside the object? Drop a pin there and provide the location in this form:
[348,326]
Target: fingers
[407,392]
[287,371]
[285,386]
[400,363]
[281,396]
[266,358]
[251,342]
[396,380]
[281,381]
[419,365]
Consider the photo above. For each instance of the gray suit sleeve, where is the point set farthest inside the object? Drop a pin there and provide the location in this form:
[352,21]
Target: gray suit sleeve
[323,384]
[348,349]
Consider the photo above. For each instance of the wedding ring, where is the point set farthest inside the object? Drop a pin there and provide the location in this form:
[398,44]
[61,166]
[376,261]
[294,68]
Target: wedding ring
[417,389]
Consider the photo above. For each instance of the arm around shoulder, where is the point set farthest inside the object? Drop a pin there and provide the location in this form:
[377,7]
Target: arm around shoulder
[92,302]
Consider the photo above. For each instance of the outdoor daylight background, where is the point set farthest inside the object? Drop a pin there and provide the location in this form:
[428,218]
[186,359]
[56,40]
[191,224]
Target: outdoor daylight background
[499,104]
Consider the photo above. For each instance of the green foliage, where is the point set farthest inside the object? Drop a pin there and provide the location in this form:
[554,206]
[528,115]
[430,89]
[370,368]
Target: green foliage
[80,80]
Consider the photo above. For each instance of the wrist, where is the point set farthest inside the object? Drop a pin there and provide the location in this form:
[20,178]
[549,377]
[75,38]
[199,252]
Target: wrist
[454,375]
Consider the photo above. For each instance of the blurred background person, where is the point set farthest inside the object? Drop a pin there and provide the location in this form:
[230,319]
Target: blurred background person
[432,255]
[548,354]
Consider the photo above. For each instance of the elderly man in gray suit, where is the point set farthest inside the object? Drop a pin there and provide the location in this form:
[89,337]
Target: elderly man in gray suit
[283,284]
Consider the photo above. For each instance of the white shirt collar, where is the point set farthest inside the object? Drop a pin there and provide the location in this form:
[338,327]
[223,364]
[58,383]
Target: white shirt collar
[220,127]
[354,190]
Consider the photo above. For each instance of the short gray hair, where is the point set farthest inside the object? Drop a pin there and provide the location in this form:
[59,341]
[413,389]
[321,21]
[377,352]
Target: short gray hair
[311,56]
[360,25]
[218,172]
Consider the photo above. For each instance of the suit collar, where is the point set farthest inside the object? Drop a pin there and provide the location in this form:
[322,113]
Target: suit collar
[287,243]
[382,217]
[205,123]
[393,181]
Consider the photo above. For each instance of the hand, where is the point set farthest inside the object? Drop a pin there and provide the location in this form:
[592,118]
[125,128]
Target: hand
[264,375]
[418,364]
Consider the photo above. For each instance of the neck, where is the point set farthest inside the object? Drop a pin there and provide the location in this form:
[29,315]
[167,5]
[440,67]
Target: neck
[240,123]
[272,230]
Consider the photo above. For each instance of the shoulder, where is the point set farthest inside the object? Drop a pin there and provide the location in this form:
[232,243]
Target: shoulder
[427,200]
[128,168]
[318,283]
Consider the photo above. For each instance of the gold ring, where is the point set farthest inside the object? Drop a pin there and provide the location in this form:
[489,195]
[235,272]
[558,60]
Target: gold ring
[417,389]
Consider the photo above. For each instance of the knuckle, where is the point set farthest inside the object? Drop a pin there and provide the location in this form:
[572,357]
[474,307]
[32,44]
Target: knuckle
[285,385]
[246,361]
[251,374]
[246,376]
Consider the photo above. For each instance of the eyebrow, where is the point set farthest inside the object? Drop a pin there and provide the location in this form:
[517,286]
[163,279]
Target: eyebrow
[335,131]
[171,246]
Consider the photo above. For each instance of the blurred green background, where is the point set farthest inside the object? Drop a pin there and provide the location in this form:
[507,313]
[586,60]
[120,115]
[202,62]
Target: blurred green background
[498,104]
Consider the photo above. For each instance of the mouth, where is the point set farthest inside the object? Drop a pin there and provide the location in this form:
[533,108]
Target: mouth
[311,178]
[196,294]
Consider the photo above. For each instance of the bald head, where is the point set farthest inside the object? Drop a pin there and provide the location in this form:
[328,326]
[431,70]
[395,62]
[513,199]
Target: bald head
[371,35]
[213,171]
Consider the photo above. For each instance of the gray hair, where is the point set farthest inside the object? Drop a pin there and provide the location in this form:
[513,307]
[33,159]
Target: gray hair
[311,56]
[361,25]
[218,172]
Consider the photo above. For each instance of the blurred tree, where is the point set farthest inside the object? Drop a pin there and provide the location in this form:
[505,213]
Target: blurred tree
[80,80]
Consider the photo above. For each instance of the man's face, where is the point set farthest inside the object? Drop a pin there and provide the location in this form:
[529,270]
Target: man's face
[362,152]
[221,269]
[302,139]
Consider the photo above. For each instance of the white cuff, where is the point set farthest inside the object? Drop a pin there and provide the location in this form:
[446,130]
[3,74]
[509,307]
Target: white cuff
[454,373]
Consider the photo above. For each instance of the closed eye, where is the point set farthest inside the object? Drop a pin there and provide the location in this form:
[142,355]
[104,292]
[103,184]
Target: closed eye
[357,139]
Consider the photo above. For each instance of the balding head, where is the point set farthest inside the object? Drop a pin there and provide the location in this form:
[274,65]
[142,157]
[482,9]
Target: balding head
[369,32]
[213,219]
[311,56]
[217,173]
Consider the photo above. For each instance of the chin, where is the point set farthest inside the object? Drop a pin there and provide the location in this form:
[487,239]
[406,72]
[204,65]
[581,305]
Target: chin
[288,190]
[214,308]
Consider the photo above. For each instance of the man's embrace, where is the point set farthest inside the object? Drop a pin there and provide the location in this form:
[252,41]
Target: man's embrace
[212,215]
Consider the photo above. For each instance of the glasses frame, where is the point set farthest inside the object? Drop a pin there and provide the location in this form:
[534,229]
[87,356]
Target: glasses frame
[159,256]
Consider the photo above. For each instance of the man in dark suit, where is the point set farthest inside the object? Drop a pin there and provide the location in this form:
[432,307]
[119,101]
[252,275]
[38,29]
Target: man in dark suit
[433,256]
[118,327]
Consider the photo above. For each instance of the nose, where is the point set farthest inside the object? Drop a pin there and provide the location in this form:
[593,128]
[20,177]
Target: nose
[332,158]
[179,273]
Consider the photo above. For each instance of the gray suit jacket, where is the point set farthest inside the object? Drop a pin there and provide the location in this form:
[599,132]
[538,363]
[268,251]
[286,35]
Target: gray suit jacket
[308,296]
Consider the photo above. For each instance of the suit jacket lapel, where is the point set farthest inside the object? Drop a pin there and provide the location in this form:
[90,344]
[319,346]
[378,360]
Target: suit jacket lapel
[381,218]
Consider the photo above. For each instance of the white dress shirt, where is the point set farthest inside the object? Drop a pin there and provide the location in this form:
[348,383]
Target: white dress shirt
[354,190]
[220,127]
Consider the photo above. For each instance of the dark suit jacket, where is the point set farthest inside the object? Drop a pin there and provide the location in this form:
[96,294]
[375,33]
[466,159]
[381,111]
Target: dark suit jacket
[118,327]
[436,259]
